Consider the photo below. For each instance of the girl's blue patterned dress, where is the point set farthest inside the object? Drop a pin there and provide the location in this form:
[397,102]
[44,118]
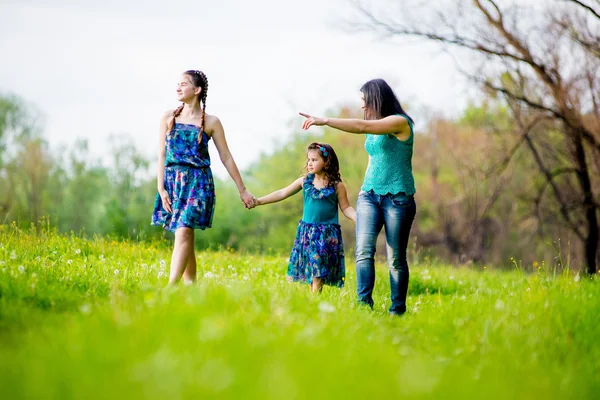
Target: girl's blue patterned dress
[188,180]
[318,248]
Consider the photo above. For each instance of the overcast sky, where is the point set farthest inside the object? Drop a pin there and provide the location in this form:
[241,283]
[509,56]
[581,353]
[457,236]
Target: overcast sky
[96,68]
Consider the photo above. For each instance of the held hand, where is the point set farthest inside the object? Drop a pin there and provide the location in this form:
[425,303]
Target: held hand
[248,199]
[166,202]
[310,121]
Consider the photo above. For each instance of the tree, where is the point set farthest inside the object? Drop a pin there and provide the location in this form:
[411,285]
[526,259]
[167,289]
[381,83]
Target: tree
[544,62]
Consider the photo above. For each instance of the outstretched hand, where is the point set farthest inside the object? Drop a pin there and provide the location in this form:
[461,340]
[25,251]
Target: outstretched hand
[310,121]
[248,199]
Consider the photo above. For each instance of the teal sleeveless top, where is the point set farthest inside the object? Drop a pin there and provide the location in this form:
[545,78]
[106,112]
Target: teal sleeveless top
[320,205]
[390,164]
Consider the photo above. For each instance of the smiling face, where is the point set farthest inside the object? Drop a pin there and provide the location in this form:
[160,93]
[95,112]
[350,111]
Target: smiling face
[314,162]
[186,90]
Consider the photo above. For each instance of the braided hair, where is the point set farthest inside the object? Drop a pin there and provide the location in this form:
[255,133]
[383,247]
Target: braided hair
[332,165]
[200,80]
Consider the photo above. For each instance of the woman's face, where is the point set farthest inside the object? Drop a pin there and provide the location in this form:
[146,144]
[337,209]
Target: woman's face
[186,90]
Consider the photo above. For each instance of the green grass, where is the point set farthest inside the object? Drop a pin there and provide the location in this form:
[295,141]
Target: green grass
[89,319]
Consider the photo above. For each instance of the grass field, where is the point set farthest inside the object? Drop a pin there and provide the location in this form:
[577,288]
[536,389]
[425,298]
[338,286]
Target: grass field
[87,319]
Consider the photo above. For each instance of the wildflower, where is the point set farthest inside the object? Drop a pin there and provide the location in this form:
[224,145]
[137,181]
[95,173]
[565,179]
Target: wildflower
[245,277]
[451,277]
[528,289]
[499,305]
[13,255]
[209,275]
[78,251]
[160,274]
[116,272]
[230,267]
[163,263]
[21,269]
[577,278]
[326,307]
[69,262]
[38,258]
[85,308]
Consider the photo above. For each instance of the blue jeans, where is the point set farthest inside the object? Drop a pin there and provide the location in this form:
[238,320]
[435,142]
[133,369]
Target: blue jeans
[396,212]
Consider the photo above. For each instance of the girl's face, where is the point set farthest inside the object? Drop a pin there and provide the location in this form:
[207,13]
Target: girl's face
[185,88]
[363,105]
[315,162]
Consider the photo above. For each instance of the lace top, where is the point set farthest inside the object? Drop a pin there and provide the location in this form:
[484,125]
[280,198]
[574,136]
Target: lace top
[390,164]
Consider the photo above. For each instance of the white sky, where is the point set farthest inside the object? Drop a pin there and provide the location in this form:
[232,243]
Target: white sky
[96,68]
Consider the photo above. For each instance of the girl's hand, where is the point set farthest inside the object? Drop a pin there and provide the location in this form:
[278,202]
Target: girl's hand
[248,199]
[310,121]
[166,202]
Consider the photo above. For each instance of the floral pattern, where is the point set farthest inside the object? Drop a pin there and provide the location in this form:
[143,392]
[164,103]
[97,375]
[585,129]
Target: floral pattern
[318,250]
[188,181]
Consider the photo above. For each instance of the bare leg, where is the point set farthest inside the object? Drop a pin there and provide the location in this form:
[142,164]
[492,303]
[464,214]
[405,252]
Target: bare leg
[316,285]
[184,241]
[189,275]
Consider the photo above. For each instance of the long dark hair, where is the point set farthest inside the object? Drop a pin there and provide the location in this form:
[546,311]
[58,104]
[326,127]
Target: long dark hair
[381,101]
[200,80]
[332,165]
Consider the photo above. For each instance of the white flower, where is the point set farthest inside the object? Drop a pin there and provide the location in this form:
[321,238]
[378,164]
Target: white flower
[21,269]
[38,258]
[69,262]
[231,267]
[451,277]
[499,305]
[245,277]
[116,272]
[326,307]
[160,274]
[577,278]
[85,308]
[78,251]
[528,289]
[463,297]
[209,275]
[13,255]
[163,263]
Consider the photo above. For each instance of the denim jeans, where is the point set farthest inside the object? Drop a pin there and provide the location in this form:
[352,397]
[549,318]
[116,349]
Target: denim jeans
[396,213]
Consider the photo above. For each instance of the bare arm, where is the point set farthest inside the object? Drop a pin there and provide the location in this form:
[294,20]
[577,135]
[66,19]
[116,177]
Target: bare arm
[162,155]
[394,124]
[218,135]
[281,194]
[345,206]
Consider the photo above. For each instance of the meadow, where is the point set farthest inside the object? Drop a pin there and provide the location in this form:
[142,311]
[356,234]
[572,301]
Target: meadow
[91,319]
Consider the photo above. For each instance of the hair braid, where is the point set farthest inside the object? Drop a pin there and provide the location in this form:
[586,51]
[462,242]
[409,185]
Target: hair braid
[176,113]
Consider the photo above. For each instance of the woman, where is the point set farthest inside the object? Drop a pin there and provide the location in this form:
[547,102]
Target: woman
[386,197]
[186,193]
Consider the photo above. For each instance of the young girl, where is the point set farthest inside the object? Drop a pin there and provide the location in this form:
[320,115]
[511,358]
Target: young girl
[318,254]
[186,195]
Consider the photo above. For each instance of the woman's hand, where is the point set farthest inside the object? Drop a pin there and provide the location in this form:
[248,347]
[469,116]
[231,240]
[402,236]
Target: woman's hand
[166,202]
[248,199]
[310,121]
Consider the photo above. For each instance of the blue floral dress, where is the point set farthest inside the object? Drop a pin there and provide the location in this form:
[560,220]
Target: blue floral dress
[318,250]
[188,180]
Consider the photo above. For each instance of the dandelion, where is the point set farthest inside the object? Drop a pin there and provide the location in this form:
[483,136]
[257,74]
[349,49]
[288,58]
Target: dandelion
[69,262]
[160,274]
[326,307]
[85,308]
[116,272]
[78,251]
[230,267]
[21,269]
[245,277]
[528,289]
[163,263]
[38,258]
[499,305]
[13,255]
[209,275]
